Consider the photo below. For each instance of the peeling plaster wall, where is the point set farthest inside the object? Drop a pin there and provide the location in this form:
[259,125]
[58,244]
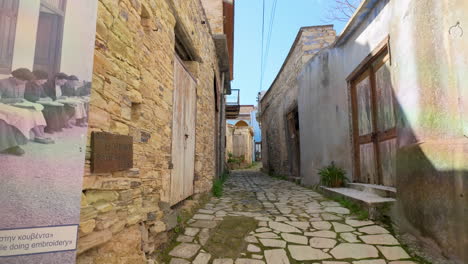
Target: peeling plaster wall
[429,68]
[324,110]
[281,98]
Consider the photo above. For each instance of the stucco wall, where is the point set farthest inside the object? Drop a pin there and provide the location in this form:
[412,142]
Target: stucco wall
[78,38]
[426,67]
[432,159]
[324,110]
[281,98]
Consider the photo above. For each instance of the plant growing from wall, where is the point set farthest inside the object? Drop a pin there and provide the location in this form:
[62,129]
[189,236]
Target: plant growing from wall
[332,176]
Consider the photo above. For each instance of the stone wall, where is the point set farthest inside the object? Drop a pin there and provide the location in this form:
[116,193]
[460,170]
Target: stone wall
[123,215]
[281,98]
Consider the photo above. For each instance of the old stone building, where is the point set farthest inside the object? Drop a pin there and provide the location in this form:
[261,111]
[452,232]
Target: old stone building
[240,144]
[161,70]
[278,107]
[387,103]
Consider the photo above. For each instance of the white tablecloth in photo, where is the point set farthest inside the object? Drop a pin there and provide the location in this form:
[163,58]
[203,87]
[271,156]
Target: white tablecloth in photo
[79,105]
[21,118]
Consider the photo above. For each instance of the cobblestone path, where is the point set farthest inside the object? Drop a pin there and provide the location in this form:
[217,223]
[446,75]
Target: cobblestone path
[291,224]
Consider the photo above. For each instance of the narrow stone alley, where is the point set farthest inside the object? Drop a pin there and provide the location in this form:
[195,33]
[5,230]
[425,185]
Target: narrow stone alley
[262,219]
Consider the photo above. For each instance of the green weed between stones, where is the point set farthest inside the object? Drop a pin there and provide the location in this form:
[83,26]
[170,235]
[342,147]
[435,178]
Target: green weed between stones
[218,184]
[278,176]
[353,207]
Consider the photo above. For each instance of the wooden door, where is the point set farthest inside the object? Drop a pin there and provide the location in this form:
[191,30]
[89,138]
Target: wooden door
[386,121]
[183,134]
[190,121]
[8,19]
[48,43]
[374,124]
[294,143]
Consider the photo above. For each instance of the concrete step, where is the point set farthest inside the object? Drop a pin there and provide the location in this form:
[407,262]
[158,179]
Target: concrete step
[376,205]
[383,191]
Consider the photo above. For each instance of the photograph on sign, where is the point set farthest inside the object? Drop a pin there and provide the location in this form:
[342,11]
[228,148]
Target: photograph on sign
[46,68]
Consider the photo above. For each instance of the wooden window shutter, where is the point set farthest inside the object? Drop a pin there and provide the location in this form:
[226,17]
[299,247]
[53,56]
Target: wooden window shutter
[8,17]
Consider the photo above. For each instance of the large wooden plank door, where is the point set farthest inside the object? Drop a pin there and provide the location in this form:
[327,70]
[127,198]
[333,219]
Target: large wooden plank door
[365,151]
[8,19]
[374,124]
[190,121]
[386,121]
[183,134]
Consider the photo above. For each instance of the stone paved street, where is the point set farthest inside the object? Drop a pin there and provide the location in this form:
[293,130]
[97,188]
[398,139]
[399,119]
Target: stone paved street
[292,224]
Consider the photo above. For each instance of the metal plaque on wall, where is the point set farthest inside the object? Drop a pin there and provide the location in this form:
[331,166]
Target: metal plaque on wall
[111,152]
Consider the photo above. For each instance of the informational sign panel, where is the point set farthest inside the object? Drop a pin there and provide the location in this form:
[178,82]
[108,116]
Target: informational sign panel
[46,68]
[111,152]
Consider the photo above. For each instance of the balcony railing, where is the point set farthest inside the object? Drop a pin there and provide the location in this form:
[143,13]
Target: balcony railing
[233,104]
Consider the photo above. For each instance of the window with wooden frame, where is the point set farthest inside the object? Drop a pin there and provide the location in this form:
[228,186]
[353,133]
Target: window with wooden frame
[374,119]
[8,19]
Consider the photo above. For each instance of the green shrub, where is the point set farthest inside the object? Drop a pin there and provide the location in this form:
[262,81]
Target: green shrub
[332,176]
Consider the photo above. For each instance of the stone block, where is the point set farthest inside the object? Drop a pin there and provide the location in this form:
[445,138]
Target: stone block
[119,128]
[170,220]
[87,227]
[135,97]
[88,213]
[118,226]
[134,219]
[84,201]
[92,240]
[103,207]
[107,196]
[158,227]
[98,118]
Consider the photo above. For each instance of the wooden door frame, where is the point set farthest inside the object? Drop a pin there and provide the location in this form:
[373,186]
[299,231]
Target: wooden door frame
[60,28]
[174,94]
[11,41]
[293,108]
[352,80]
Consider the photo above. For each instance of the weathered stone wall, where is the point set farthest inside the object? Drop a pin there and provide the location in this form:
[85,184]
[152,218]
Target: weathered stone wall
[214,13]
[281,98]
[123,216]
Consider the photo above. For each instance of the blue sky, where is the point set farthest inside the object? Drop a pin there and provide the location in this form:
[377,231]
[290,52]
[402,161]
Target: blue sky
[290,16]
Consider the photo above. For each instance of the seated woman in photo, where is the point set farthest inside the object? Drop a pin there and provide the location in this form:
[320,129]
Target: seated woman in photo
[54,91]
[11,139]
[12,93]
[70,97]
[54,112]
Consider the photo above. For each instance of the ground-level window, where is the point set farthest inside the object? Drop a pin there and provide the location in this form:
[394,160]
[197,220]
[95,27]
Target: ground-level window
[8,18]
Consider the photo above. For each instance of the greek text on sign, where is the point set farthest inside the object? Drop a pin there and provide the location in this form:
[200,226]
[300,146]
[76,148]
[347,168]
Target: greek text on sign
[27,241]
